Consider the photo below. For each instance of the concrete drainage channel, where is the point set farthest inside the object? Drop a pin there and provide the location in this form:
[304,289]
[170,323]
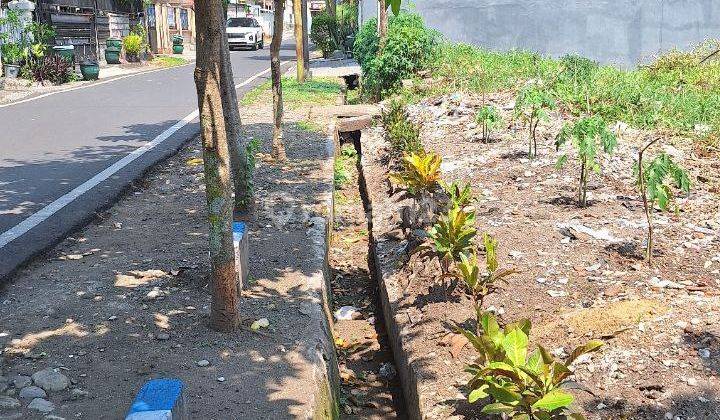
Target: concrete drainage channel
[369,383]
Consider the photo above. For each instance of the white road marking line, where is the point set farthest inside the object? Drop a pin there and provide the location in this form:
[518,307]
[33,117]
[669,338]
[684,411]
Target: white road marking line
[98,83]
[46,212]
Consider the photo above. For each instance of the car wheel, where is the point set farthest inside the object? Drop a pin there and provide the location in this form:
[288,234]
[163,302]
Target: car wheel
[262,44]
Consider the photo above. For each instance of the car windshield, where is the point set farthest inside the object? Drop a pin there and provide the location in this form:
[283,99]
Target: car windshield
[240,23]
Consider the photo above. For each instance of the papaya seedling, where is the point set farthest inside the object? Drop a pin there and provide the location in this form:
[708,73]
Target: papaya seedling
[532,106]
[489,118]
[586,133]
[654,180]
[522,385]
[421,172]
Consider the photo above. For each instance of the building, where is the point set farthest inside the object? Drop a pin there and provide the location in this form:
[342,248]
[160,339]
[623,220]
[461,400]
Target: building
[167,18]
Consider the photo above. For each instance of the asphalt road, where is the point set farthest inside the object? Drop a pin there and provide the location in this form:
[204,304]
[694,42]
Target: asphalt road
[52,145]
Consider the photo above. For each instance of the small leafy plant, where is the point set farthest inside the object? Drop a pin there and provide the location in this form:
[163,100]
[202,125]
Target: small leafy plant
[531,106]
[403,135]
[586,133]
[480,285]
[489,118]
[133,44]
[654,180]
[453,235]
[420,173]
[459,196]
[522,385]
[577,70]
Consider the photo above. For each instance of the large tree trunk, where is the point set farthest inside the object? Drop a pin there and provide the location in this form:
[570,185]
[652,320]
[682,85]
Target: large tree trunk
[306,39]
[382,20]
[299,43]
[209,75]
[238,155]
[278,147]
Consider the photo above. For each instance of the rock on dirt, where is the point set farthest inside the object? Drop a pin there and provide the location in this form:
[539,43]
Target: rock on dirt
[41,405]
[32,392]
[8,403]
[21,381]
[50,380]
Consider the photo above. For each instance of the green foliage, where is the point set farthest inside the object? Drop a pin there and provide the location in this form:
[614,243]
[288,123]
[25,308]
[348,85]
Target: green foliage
[480,285]
[453,234]
[403,135]
[347,19]
[133,44]
[489,118]
[675,92]
[168,61]
[408,48]
[54,68]
[521,385]
[654,180]
[366,44]
[577,70]
[12,52]
[324,33]
[420,173]
[531,106]
[316,92]
[341,175]
[459,196]
[586,133]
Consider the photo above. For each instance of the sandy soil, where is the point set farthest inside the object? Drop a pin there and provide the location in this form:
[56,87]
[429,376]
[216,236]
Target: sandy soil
[125,299]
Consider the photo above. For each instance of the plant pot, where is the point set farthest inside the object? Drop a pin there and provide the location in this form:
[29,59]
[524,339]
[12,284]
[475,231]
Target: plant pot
[65,51]
[178,49]
[112,55]
[90,71]
[132,58]
[114,43]
[11,71]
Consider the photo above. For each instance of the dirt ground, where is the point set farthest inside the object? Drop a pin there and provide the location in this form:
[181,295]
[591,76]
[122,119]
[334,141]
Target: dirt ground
[126,298]
[582,275]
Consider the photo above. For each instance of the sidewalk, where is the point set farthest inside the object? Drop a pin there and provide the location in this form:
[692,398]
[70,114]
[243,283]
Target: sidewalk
[126,299]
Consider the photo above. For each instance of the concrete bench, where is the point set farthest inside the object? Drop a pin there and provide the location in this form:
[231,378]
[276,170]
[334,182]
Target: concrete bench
[159,399]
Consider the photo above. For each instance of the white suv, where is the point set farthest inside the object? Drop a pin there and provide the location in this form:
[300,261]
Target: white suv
[244,32]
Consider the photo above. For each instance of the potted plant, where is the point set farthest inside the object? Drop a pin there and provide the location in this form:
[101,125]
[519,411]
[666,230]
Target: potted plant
[133,46]
[90,68]
[178,44]
[12,55]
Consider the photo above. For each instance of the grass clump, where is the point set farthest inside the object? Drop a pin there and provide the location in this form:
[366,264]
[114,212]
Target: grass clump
[676,91]
[168,61]
[319,91]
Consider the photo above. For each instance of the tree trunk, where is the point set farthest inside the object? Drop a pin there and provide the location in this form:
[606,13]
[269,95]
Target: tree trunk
[331,7]
[299,44]
[306,40]
[236,146]
[278,147]
[209,73]
[382,21]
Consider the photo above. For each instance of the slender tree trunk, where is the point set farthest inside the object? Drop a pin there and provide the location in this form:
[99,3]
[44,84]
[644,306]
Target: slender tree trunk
[306,40]
[331,7]
[382,21]
[278,147]
[299,43]
[209,69]
[231,112]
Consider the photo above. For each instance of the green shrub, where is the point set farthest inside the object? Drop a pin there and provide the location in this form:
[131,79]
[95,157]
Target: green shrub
[408,48]
[133,44]
[403,135]
[324,33]
[366,43]
[522,385]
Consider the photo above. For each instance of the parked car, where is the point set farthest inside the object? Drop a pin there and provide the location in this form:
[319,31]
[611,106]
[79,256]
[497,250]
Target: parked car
[244,32]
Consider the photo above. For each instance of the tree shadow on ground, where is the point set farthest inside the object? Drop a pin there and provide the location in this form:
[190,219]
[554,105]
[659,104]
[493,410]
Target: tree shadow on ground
[115,344]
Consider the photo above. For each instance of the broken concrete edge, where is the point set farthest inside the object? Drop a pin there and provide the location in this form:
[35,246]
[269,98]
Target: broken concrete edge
[390,294]
[325,365]
[242,249]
